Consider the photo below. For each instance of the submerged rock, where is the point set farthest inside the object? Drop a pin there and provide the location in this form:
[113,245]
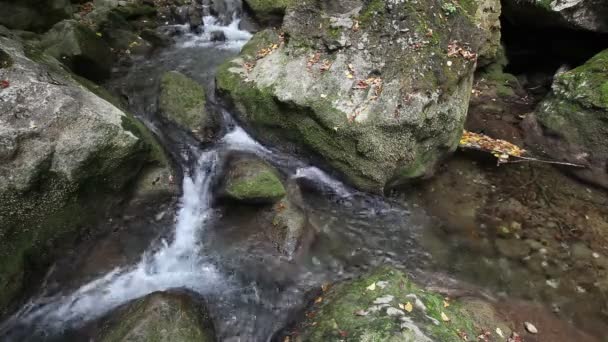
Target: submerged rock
[386,306]
[571,123]
[79,48]
[66,157]
[182,101]
[378,90]
[591,15]
[160,316]
[251,180]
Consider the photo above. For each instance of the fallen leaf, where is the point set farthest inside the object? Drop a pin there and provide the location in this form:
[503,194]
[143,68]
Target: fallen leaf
[445,304]
[408,307]
[444,317]
[500,333]
[4,84]
[318,300]
[372,287]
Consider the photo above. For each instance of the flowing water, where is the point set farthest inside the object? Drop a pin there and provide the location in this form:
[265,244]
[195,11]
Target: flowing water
[211,249]
[249,300]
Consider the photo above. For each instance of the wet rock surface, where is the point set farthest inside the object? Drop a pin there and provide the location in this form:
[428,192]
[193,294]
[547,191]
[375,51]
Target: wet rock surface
[160,316]
[324,87]
[251,180]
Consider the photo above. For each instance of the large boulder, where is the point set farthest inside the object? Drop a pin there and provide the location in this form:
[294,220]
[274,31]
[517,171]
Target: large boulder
[66,157]
[378,90]
[160,316]
[33,15]
[590,15]
[571,124]
[386,305]
[79,48]
[251,180]
[182,101]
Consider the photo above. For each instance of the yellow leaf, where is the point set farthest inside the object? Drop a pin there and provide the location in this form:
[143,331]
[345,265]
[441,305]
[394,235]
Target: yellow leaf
[445,304]
[98,34]
[372,287]
[444,317]
[408,307]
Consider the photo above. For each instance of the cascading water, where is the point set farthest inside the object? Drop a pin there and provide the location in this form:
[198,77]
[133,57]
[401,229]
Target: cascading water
[356,231]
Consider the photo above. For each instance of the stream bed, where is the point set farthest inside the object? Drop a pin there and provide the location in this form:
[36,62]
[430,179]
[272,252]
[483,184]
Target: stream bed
[214,249]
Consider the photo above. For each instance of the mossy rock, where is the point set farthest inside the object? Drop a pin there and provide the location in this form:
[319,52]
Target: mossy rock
[68,161]
[571,124]
[159,317]
[386,305]
[251,180]
[268,12]
[182,101]
[79,48]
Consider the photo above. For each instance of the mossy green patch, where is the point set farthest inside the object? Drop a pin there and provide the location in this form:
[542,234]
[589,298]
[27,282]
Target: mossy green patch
[372,308]
[182,101]
[253,181]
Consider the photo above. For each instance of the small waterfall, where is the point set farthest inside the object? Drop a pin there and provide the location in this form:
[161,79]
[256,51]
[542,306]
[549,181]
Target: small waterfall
[175,264]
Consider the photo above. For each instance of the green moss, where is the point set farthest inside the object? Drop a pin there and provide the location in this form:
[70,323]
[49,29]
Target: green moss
[264,184]
[604,95]
[374,8]
[335,317]
[160,317]
[182,101]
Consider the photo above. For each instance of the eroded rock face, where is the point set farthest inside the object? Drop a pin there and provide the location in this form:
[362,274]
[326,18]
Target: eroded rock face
[571,124]
[369,87]
[160,316]
[591,15]
[66,155]
[387,306]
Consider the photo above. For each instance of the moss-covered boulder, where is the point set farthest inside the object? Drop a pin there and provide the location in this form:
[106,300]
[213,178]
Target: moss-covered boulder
[182,101]
[268,12]
[377,89]
[67,156]
[591,15]
[33,15]
[251,180]
[79,48]
[159,317]
[386,306]
[571,124]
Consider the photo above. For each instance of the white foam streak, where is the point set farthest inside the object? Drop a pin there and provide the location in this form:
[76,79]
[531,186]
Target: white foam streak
[315,174]
[239,139]
[235,37]
[175,264]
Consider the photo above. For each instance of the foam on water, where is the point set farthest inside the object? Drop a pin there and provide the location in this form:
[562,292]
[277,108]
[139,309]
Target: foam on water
[235,37]
[317,175]
[174,264]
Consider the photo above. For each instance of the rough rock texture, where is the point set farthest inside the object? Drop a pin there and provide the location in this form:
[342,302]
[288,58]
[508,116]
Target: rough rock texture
[65,156]
[33,15]
[268,12]
[375,308]
[182,101]
[79,48]
[366,86]
[591,15]
[571,124]
[251,180]
[158,317]
[487,15]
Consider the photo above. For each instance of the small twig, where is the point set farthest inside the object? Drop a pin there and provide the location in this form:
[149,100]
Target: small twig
[530,159]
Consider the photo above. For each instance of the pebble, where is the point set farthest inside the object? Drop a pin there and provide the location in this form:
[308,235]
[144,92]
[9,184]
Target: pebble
[530,328]
[595,255]
[394,312]
[384,300]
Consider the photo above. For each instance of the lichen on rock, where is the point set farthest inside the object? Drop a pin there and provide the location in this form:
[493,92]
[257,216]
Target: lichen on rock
[377,97]
[385,305]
